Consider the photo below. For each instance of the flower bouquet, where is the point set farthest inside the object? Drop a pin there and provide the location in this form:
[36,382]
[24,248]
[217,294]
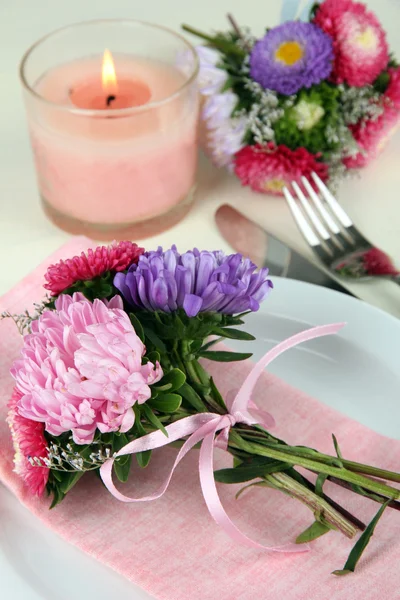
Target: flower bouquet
[111,367]
[321,95]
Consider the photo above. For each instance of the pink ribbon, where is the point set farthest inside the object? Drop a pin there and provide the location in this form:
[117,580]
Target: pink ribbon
[203,427]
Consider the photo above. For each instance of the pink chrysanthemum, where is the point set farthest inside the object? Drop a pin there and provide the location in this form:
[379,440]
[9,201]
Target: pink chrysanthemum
[270,168]
[81,369]
[29,441]
[359,41]
[117,257]
[372,135]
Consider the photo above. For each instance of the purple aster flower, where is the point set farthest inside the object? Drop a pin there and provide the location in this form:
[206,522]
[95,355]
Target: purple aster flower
[292,56]
[195,281]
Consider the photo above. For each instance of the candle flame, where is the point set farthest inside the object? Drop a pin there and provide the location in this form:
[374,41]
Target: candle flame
[108,76]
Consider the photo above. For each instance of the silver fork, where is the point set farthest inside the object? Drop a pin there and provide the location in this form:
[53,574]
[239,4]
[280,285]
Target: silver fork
[332,235]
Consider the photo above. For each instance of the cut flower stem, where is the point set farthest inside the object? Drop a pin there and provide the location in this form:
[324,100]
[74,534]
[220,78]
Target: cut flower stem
[317,466]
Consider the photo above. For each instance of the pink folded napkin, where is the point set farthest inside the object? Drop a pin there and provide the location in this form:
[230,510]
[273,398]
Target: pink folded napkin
[171,547]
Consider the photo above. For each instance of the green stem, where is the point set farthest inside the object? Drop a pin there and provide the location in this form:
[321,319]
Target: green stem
[348,515]
[318,505]
[222,45]
[376,497]
[201,373]
[350,465]
[313,465]
[267,439]
[374,471]
[180,364]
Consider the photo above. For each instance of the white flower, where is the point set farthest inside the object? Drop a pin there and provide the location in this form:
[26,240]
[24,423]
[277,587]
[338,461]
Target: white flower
[208,59]
[307,114]
[225,141]
[211,80]
[207,56]
[218,109]
[185,62]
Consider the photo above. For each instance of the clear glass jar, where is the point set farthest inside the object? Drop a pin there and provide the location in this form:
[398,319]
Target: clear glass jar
[114,159]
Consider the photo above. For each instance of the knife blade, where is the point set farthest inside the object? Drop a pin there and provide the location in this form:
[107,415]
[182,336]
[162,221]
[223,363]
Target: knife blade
[264,249]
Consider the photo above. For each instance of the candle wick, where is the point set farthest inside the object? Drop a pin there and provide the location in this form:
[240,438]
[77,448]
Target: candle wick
[110,99]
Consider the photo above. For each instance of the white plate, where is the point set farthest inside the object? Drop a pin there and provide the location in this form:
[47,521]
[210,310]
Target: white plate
[356,371]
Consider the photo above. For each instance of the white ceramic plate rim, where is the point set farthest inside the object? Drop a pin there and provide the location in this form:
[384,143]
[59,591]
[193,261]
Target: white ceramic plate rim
[23,539]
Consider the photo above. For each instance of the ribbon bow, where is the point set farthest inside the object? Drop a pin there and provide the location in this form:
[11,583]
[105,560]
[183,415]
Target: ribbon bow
[203,427]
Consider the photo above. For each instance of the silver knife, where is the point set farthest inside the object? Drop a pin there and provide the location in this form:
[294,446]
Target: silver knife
[264,249]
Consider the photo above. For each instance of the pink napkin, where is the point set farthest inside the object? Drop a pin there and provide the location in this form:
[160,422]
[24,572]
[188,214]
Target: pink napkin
[172,548]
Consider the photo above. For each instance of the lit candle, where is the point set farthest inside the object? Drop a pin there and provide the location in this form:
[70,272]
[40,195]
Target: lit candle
[115,144]
[108,92]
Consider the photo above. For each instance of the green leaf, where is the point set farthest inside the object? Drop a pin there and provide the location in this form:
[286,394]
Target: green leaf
[151,417]
[210,344]
[69,480]
[153,357]
[247,473]
[216,394]
[189,394]
[223,356]
[195,346]
[58,497]
[122,466]
[381,82]
[166,403]
[313,532]
[143,458]
[155,340]
[138,424]
[322,477]
[361,544]
[250,485]
[57,475]
[137,326]
[172,381]
[337,449]
[233,334]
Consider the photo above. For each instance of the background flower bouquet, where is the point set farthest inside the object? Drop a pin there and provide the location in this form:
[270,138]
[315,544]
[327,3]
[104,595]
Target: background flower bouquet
[110,368]
[321,95]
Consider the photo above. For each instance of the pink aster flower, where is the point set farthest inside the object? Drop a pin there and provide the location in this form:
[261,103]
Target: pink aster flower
[270,168]
[392,94]
[116,257]
[29,441]
[372,135]
[81,369]
[359,41]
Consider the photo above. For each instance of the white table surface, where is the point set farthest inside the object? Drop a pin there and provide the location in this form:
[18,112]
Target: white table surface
[26,237]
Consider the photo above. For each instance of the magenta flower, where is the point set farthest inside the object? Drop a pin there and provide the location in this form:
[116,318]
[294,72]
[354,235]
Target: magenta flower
[81,369]
[373,134]
[116,257]
[28,441]
[269,168]
[359,41]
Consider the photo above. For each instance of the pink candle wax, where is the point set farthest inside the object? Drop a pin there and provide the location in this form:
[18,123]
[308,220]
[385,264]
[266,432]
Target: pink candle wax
[103,162]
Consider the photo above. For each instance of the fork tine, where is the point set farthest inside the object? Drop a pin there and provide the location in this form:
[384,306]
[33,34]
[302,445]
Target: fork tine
[321,229]
[322,210]
[300,219]
[331,200]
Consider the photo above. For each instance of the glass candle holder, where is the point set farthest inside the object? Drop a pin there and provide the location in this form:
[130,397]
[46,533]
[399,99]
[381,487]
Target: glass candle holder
[112,110]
